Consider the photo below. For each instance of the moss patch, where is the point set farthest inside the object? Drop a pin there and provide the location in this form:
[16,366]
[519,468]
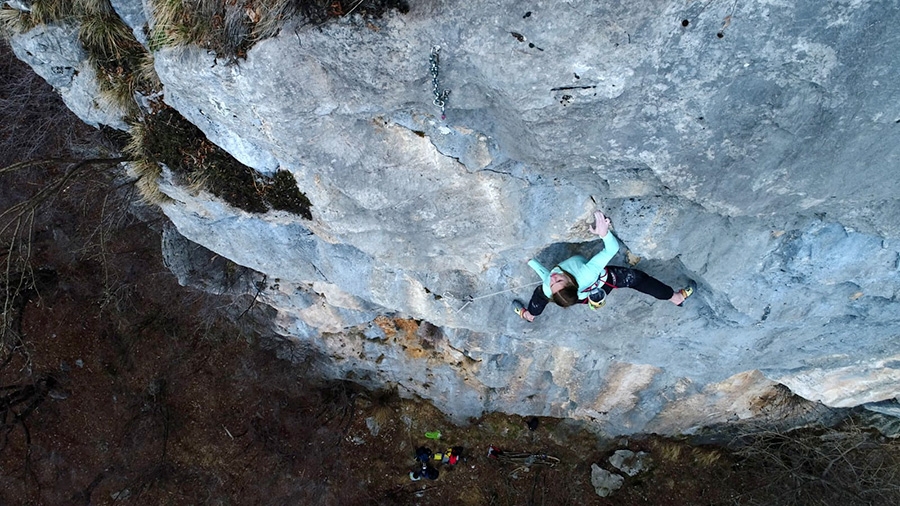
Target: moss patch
[166,137]
[283,194]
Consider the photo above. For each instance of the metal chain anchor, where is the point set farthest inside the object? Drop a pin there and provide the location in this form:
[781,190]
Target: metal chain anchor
[440,97]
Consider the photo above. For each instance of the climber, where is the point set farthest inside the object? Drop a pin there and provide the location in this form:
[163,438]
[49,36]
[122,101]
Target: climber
[579,281]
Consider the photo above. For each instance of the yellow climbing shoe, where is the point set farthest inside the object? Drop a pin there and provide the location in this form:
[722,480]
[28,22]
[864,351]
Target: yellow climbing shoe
[686,292]
[519,308]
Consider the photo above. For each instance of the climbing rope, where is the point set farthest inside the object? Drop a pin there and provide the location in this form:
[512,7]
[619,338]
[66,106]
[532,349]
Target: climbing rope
[473,299]
[440,97]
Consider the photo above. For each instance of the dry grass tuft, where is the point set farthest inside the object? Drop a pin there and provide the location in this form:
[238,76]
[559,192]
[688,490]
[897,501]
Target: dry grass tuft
[161,136]
[14,21]
[115,54]
[164,136]
[145,168]
[268,17]
[148,173]
[45,12]
[706,457]
[176,24]
[147,74]
[383,402]
[230,28]
[111,47]
[94,8]
[667,451]
[106,37]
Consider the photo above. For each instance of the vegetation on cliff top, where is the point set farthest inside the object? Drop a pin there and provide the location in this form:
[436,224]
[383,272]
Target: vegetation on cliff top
[159,135]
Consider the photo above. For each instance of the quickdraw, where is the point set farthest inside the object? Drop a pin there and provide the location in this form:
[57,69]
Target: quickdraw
[440,96]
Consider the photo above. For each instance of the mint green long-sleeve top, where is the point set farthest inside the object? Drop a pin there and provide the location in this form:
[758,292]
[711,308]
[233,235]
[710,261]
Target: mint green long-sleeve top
[586,272]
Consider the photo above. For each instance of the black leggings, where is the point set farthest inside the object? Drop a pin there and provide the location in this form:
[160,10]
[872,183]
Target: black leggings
[623,277]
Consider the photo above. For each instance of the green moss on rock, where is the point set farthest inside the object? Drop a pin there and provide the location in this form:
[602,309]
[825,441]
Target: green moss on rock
[282,194]
[168,138]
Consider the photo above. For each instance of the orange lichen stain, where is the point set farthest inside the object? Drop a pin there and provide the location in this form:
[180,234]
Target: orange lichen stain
[405,332]
[386,326]
[405,325]
[416,352]
[408,338]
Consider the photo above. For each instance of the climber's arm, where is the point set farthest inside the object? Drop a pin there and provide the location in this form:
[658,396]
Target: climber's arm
[538,302]
[610,244]
[601,259]
[540,297]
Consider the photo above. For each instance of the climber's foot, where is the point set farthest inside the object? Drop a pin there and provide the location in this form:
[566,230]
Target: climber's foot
[685,293]
[519,308]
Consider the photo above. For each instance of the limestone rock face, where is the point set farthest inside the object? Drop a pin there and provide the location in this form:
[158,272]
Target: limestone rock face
[749,147]
[56,55]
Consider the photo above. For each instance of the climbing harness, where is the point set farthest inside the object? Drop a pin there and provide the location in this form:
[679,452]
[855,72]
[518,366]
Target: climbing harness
[440,96]
[597,295]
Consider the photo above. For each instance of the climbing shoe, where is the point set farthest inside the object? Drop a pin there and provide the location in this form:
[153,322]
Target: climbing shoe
[519,308]
[686,292]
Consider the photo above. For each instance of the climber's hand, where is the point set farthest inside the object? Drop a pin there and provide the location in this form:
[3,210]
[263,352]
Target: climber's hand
[528,316]
[601,224]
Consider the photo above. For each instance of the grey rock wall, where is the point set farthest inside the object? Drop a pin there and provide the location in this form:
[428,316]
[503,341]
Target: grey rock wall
[760,163]
[56,55]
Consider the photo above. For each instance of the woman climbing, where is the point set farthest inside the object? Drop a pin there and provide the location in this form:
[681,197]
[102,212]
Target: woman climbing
[579,281]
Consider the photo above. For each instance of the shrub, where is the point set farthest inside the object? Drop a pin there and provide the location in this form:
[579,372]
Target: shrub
[802,466]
